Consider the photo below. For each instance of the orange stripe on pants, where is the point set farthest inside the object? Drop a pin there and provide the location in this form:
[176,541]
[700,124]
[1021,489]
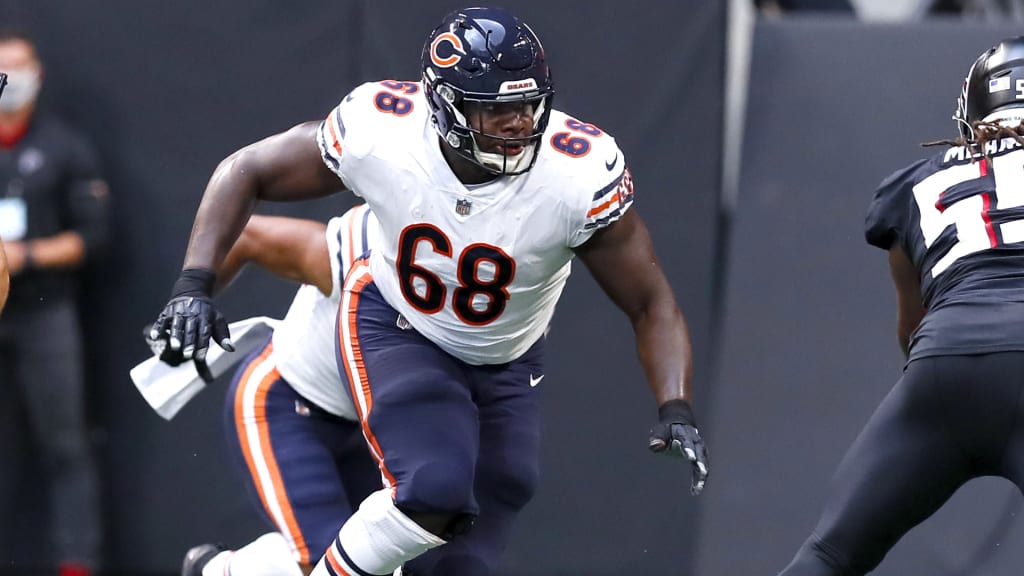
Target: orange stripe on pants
[352,358]
[275,487]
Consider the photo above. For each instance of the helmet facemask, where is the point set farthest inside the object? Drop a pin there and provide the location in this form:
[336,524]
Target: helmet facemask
[489,151]
[476,64]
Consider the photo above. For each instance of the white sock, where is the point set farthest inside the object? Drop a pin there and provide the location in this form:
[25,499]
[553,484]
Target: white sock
[218,565]
[268,555]
[377,539]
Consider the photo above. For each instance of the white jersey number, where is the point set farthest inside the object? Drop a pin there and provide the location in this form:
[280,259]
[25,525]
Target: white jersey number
[975,231]
[484,273]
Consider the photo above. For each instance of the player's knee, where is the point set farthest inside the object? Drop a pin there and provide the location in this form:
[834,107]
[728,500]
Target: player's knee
[380,537]
[818,558]
[439,488]
[514,485]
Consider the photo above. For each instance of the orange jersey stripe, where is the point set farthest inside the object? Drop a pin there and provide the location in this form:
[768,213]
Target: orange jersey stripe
[601,208]
[334,134]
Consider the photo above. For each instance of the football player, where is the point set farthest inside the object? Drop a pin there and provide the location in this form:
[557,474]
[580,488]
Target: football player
[484,194]
[291,426]
[952,225]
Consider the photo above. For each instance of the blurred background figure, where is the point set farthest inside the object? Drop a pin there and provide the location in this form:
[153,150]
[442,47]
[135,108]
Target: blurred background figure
[777,6]
[53,216]
[5,278]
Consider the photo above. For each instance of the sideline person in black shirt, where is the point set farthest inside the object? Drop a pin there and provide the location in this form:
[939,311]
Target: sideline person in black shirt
[53,216]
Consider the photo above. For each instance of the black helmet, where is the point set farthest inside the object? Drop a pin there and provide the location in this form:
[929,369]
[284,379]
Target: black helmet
[995,83]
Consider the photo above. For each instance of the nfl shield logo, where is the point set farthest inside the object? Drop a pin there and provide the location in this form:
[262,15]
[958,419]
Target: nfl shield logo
[462,207]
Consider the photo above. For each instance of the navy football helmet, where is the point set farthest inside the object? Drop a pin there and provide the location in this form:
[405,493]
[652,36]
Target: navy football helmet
[994,87]
[488,57]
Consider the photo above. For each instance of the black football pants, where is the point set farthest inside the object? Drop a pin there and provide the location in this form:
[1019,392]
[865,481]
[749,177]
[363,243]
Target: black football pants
[949,419]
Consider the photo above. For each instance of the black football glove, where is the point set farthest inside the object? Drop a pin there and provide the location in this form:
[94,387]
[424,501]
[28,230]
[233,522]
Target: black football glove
[189,319]
[676,433]
[160,349]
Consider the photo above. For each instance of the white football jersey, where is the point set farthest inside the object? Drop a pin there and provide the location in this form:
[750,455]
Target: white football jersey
[304,341]
[476,269]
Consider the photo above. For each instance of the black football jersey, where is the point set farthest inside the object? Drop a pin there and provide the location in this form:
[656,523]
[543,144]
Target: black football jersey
[961,221]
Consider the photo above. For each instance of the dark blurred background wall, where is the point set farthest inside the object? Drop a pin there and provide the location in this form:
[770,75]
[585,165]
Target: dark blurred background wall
[792,314]
[168,89]
[808,333]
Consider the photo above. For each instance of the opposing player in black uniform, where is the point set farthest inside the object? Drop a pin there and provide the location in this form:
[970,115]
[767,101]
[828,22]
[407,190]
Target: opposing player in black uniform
[953,225]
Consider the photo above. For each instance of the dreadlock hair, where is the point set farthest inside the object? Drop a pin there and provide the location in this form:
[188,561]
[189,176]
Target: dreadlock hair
[984,132]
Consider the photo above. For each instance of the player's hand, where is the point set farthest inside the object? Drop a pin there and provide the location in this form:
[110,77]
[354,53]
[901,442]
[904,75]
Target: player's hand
[160,349]
[676,434]
[190,319]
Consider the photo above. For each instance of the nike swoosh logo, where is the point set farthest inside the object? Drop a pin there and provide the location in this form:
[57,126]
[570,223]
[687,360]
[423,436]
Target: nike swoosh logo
[611,165]
[535,381]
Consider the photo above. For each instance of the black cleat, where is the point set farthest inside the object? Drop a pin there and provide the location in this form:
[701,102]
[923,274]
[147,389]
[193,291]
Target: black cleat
[197,557]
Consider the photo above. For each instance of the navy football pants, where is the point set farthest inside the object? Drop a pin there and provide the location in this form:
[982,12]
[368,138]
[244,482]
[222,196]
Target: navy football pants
[307,469]
[450,438]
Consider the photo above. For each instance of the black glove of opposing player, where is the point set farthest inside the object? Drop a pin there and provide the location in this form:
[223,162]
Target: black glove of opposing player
[676,434]
[189,319]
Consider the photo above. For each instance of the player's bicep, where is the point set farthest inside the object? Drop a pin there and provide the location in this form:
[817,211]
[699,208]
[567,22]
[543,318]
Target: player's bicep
[910,305]
[621,258]
[287,166]
[292,248]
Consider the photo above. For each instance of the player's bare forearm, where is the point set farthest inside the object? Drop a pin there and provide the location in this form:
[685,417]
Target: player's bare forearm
[292,248]
[283,167]
[241,253]
[663,343]
[229,199]
[910,310]
[904,339]
[622,260]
